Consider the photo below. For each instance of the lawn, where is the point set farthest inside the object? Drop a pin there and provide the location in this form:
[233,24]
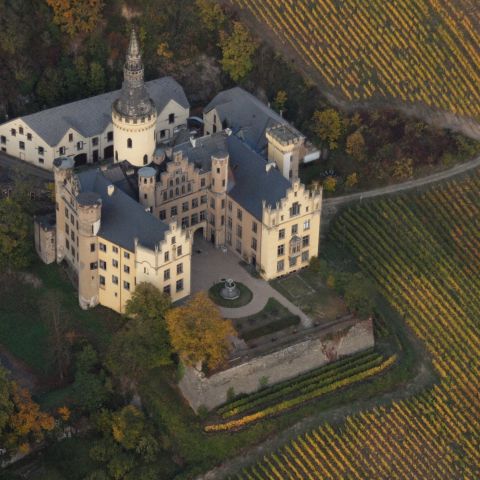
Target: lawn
[306,290]
[24,332]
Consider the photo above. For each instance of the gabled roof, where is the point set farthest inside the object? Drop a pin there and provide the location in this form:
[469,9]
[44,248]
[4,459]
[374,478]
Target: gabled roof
[249,182]
[123,218]
[92,115]
[246,115]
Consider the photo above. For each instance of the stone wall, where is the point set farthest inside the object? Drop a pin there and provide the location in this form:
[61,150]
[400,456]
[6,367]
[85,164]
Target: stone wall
[312,351]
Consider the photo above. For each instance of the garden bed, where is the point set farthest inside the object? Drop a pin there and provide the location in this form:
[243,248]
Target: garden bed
[245,297]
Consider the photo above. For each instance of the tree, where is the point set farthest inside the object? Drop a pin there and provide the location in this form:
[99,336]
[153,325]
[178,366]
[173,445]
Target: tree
[403,168]
[237,51]
[89,386]
[211,14]
[280,101]
[143,343]
[328,127]
[76,16]
[6,405]
[56,319]
[352,180]
[15,250]
[356,145]
[96,80]
[330,184]
[199,333]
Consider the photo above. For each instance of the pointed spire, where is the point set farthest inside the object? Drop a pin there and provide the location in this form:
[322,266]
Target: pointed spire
[133,51]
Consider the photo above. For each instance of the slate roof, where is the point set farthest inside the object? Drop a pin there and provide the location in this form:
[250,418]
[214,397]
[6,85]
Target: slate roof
[249,183]
[92,115]
[123,219]
[246,115]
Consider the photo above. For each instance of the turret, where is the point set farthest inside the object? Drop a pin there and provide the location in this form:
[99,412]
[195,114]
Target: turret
[218,197]
[219,172]
[146,186]
[63,171]
[134,115]
[89,208]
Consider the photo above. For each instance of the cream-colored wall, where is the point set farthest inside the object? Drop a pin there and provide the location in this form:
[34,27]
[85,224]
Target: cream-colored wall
[212,119]
[150,266]
[279,218]
[181,115]
[31,155]
[142,134]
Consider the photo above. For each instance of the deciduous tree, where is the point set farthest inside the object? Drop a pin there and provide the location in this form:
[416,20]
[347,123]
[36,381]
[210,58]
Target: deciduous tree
[356,145]
[199,333]
[328,127]
[352,180]
[280,101]
[237,51]
[211,14]
[403,168]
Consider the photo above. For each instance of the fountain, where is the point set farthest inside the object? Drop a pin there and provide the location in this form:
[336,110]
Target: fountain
[230,291]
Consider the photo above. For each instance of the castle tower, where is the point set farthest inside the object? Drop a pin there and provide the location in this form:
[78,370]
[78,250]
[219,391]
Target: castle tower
[218,192]
[285,148]
[62,170]
[146,186]
[134,115]
[89,208]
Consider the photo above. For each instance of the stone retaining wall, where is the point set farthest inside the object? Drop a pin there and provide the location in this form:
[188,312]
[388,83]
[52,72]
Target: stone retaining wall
[311,352]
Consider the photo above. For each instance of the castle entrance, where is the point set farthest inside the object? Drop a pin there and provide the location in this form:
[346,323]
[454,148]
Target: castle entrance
[80,159]
[108,152]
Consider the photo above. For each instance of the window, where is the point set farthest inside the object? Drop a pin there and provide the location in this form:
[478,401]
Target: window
[177,191]
[162,215]
[95,141]
[70,137]
[171,118]
[115,263]
[103,264]
[72,235]
[21,145]
[194,202]
[179,251]
[67,243]
[114,279]
[67,228]
[179,268]
[129,143]
[295,209]
[72,220]
[126,254]
[254,227]
[230,206]
[126,269]
[165,195]
[61,150]
[102,280]
[229,222]
[92,247]
[166,256]
[305,256]
[126,285]
[280,265]
[239,213]
[194,219]
[202,182]
[185,207]
[254,243]
[281,234]
[281,250]
[185,222]
[3,139]
[20,130]
[306,241]
[93,266]
[162,133]
[173,211]
[212,203]
[102,247]
[306,225]
[79,145]
[145,159]
[115,249]
[173,240]
[223,204]
[179,285]
[166,274]
[29,136]
[166,289]
[292,261]
[110,137]
[13,132]
[239,231]
[41,160]
[73,251]
[203,199]
[294,229]
[238,246]
[229,238]
[203,215]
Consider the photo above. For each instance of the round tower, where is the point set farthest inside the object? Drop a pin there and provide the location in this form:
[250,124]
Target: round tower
[134,115]
[63,171]
[146,186]
[89,208]
[219,195]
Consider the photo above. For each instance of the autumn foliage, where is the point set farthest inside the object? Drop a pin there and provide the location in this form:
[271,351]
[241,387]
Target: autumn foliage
[76,16]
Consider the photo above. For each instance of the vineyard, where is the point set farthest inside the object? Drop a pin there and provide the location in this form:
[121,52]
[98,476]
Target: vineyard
[423,251]
[313,385]
[414,51]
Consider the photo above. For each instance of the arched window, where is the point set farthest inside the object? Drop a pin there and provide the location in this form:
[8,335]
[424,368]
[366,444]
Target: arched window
[145,159]
[129,143]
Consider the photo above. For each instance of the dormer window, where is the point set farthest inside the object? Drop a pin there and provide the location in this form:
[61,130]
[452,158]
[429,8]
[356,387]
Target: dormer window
[295,209]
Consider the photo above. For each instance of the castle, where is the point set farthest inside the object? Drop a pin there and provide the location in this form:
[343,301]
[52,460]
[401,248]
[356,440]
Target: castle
[136,220]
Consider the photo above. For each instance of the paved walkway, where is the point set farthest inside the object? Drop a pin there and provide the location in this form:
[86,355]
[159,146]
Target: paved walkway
[210,265]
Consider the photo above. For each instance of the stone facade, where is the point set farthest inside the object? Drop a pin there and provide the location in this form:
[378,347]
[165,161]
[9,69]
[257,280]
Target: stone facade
[45,238]
[313,351]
